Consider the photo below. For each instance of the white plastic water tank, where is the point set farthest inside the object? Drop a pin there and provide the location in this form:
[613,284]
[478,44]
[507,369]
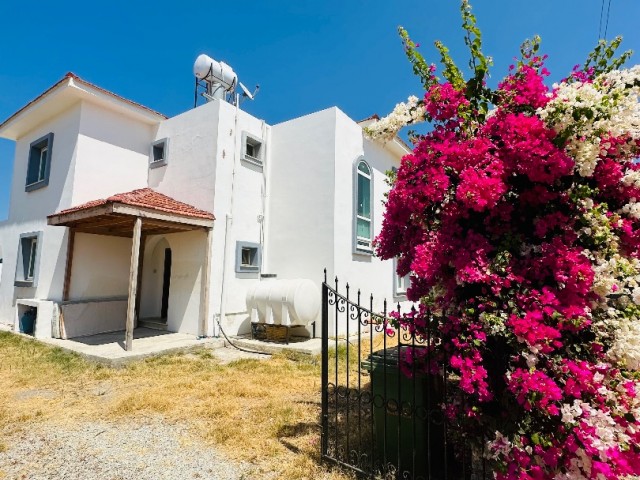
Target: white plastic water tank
[284,302]
[206,68]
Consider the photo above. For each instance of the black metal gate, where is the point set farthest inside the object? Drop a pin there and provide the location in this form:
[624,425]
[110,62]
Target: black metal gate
[381,418]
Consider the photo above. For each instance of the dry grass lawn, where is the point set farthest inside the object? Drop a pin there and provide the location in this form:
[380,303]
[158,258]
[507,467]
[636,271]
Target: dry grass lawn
[262,412]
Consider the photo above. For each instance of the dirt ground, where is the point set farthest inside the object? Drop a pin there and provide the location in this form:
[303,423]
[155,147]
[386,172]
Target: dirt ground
[261,413]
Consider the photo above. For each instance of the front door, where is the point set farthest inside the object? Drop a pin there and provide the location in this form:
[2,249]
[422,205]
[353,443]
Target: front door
[166,281]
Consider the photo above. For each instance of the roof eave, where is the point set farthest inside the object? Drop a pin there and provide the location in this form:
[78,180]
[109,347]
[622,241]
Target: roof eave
[62,95]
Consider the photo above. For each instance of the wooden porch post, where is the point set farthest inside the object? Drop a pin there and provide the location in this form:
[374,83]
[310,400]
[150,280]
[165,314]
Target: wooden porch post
[133,283]
[69,263]
[205,286]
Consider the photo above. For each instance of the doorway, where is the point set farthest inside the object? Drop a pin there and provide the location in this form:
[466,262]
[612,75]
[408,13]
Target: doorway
[166,282]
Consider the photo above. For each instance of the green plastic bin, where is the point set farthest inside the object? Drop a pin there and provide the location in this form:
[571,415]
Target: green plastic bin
[401,427]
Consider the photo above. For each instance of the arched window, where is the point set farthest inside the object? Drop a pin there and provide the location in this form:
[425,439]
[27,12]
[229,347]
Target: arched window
[363,214]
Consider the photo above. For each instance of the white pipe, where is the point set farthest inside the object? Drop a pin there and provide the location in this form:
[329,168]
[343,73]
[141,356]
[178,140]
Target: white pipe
[263,224]
[229,220]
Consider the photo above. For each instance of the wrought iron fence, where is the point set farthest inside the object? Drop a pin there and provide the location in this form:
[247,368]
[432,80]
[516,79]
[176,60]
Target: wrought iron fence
[380,417]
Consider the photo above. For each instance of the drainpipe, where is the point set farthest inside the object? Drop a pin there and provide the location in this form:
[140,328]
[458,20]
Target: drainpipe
[264,265]
[228,223]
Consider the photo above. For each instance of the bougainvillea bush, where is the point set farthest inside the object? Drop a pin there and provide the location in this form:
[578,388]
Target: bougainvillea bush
[518,217]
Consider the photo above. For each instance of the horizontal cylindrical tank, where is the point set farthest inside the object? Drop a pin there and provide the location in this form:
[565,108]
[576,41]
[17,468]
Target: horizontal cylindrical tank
[285,302]
[206,68]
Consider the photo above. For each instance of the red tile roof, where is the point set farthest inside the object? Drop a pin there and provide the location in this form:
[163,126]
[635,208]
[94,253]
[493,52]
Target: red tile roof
[144,198]
[375,116]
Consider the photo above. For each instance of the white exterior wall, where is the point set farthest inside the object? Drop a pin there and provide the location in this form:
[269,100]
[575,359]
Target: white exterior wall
[187,250]
[100,267]
[244,203]
[28,212]
[152,276]
[203,162]
[190,173]
[302,198]
[96,153]
[301,224]
[112,154]
[366,272]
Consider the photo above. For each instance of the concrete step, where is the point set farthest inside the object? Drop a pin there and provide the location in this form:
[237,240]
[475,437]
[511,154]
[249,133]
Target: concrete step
[153,324]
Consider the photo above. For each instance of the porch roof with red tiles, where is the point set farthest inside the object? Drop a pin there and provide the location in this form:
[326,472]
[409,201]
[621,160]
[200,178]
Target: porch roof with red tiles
[144,198]
[116,214]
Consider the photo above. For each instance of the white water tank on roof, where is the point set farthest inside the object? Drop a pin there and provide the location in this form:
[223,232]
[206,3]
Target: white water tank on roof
[284,302]
[206,68]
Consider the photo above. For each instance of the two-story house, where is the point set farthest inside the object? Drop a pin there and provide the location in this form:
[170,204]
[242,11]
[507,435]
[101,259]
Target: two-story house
[119,215]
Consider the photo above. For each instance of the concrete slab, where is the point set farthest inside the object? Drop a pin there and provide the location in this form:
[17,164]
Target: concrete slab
[109,347]
[304,345]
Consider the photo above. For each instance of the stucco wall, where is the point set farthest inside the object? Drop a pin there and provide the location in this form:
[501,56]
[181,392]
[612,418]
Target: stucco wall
[112,154]
[238,212]
[301,226]
[370,274]
[152,276]
[100,267]
[37,204]
[187,251]
[28,211]
[189,174]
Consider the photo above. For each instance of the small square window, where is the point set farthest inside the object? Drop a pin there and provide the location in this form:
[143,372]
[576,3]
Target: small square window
[159,153]
[27,267]
[39,164]
[252,149]
[247,257]
[402,284]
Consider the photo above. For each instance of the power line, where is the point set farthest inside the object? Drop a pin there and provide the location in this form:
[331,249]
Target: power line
[606,26]
[600,23]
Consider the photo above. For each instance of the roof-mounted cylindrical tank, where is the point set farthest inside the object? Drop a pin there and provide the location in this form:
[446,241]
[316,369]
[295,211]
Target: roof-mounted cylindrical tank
[207,69]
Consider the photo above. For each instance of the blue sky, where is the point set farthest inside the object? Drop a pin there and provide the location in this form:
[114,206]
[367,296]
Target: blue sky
[305,55]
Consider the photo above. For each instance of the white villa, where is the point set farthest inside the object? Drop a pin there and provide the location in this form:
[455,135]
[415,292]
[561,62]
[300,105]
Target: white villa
[120,216]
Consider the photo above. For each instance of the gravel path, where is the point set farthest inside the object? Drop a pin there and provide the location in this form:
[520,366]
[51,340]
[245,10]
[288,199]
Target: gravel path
[148,450]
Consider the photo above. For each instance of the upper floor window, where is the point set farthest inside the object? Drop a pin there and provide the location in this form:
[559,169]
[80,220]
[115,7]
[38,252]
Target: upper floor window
[39,164]
[159,151]
[364,230]
[252,149]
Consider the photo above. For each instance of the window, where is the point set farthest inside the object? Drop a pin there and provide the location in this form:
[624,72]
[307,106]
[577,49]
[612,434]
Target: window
[159,150]
[252,149]
[26,270]
[402,284]
[39,164]
[363,227]
[247,257]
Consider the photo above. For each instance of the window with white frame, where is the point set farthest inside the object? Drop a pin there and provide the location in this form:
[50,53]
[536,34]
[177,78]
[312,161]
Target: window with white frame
[158,154]
[363,214]
[252,149]
[39,164]
[26,269]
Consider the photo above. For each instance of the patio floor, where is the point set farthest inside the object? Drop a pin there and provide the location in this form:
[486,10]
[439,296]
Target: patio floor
[109,347]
